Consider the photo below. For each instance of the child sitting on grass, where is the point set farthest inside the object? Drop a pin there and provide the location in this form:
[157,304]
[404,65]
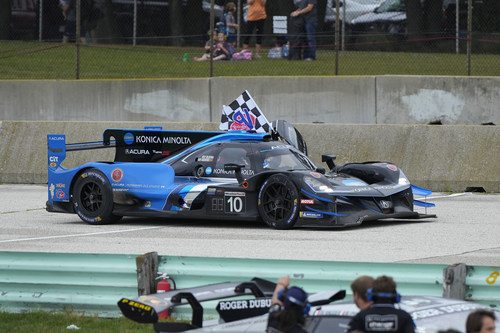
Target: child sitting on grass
[220,50]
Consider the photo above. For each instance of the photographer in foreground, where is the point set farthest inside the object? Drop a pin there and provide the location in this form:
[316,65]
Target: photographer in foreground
[288,309]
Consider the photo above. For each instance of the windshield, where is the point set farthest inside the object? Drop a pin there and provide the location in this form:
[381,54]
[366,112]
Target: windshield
[285,158]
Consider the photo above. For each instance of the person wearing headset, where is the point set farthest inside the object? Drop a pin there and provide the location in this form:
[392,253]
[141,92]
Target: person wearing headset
[289,307]
[382,315]
[359,288]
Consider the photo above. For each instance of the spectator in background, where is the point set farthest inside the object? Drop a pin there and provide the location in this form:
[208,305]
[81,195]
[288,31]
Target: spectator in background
[95,16]
[230,23]
[382,315]
[480,321]
[288,308]
[296,31]
[359,289]
[52,19]
[211,39]
[256,18]
[69,14]
[220,49]
[308,12]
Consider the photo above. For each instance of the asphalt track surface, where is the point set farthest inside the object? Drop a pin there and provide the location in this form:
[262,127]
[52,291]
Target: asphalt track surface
[467,230]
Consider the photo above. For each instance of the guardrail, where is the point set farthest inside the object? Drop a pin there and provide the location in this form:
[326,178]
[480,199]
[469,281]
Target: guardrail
[85,283]
[93,283]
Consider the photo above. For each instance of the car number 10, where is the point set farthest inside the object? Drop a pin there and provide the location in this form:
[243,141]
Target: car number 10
[234,202]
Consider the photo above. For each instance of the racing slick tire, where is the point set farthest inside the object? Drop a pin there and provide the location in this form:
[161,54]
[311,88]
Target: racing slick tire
[278,202]
[93,198]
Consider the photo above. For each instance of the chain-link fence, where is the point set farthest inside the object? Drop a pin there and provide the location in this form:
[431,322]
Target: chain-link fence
[161,38]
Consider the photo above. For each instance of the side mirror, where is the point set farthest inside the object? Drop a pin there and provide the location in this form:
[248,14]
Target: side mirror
[329,159]
[237,170]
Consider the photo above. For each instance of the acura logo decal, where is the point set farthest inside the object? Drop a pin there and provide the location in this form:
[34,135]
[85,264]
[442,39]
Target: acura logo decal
[385,204]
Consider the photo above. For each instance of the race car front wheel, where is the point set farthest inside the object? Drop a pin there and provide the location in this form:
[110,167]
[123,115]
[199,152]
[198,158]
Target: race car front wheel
[93,198]
[278,202]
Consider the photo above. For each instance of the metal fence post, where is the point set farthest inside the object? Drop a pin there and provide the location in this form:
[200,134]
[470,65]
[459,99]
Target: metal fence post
[454,281]
[337,37]
[469,34]
[77,37]
[147,267]
[40,21]
[134,33]
[212,27]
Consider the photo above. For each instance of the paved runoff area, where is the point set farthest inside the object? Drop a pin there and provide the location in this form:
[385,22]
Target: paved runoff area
[467,230]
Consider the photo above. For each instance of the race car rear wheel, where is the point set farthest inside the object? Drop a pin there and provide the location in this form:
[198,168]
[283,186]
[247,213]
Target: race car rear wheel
[93,198]
[278,202]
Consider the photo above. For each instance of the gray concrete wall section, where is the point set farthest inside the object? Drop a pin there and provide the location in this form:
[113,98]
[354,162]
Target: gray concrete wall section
[427,99]
[302,99]
[442,158]
[109,100]
[356,100]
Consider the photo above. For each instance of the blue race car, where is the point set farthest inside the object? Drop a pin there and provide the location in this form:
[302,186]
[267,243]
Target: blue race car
[234,175]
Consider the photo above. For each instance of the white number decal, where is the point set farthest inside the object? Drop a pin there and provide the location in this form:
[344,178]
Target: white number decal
[235,204]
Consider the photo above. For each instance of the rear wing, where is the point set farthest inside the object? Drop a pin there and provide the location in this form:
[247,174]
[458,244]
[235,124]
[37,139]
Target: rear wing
[146,309]
[131,145]
[150,145]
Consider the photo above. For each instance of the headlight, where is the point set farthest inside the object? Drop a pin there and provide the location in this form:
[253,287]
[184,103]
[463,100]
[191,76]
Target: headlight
[317,186]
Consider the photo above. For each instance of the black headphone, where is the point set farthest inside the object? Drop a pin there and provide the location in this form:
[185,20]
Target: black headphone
[370,296]
[306,306]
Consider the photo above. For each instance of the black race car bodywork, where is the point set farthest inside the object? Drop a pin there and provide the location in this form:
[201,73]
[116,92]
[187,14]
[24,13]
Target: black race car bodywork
[233,303]
[243,307]
[236,175]
[430,313]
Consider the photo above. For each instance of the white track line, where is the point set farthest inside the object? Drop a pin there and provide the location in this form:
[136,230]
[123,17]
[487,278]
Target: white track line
[76,235]
[448,196]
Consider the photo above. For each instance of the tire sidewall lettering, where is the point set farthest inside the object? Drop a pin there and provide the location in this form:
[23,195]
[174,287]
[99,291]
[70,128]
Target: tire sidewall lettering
[97,177]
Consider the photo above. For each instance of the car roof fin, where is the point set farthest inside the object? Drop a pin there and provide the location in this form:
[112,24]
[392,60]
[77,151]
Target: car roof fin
[287,132]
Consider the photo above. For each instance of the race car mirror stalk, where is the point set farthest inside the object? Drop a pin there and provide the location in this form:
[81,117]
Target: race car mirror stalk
[329,159]
[237,171]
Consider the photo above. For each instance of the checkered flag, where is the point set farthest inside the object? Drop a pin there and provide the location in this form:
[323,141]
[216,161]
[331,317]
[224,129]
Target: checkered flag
[243,114]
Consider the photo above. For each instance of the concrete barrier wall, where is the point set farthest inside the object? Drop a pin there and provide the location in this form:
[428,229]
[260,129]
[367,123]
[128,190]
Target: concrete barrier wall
[357,100]
[431,99]
[107,100]
[302,100]
[442,158]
